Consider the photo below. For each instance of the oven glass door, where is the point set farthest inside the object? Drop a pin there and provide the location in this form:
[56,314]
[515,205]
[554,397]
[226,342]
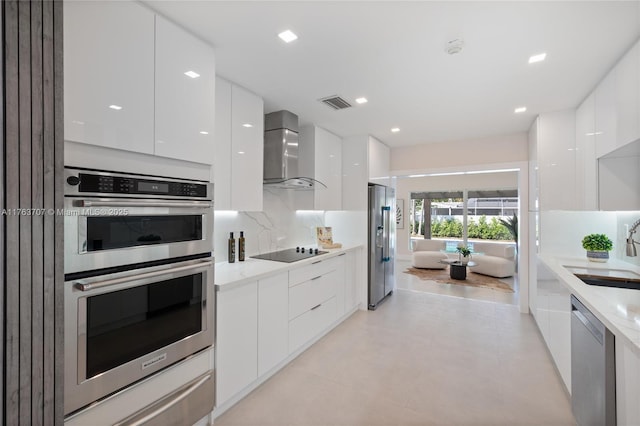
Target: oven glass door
[127,324]
[111,233]
[114,232]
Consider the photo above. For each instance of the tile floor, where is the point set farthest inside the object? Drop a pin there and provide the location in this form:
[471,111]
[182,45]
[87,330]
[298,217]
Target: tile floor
[419,359]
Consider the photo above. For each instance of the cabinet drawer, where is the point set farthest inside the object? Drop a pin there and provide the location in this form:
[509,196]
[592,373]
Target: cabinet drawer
[311,293]
[311,323]
[317,268]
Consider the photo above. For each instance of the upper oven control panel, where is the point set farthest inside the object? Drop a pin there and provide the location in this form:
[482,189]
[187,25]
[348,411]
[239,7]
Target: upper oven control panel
[79,182]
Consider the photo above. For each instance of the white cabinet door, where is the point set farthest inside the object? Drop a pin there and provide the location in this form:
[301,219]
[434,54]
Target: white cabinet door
[236,340]
[586,161]
[273,321]
[222,143]
[239,146]
[247,146]
[108,75]
[350,280]
[556,160]
[184,95]
[379,162]
[341,284]
[605,130]
[328,170]
[627,112]
[308,325]
[355,173]
[627,384]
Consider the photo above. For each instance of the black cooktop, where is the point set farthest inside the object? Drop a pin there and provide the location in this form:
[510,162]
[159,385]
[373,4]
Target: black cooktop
[290,255]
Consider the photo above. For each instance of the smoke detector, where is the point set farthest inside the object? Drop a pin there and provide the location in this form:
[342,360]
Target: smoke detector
[454,46]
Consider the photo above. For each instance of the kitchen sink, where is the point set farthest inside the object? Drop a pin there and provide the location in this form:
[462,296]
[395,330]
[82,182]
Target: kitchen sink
[620,278]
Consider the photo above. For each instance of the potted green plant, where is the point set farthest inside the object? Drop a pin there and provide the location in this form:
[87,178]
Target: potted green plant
[464,254]
[597,247]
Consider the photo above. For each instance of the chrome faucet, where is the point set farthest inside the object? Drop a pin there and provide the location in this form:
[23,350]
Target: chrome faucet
[631,246]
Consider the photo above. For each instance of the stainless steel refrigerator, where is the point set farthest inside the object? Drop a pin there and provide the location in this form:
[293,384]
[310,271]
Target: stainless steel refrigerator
[382,240]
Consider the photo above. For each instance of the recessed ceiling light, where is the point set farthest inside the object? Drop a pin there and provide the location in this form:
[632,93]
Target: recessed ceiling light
[395,129]
[247,125]
[519,110]
[362,100]
[537,58]
[288,36]
[192,74]
[116,107]
[204,133]
[240,152]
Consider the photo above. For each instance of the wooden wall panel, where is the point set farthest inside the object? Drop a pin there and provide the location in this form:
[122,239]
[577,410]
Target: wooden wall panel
[33,247]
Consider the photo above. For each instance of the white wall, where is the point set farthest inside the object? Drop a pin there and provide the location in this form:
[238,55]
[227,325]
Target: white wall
[470,152]
[404,186]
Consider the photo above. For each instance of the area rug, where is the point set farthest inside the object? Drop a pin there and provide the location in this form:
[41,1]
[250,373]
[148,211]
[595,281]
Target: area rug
[473,280]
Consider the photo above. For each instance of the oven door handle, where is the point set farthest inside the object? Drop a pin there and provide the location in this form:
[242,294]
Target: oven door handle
[144,203]
[85,286]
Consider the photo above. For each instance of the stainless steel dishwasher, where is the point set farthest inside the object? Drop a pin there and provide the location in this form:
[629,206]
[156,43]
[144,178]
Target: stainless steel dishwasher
[593,369]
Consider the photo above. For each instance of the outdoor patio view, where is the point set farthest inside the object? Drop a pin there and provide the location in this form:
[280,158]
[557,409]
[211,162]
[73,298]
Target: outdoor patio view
[492,217]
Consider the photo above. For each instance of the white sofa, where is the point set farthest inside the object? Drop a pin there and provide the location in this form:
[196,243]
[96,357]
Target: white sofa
[497,259]
[427,254]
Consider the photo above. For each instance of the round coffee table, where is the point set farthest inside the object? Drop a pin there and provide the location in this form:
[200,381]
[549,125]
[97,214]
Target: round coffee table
[458,270]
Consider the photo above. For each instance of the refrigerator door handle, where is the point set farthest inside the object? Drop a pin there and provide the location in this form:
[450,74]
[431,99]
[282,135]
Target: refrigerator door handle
[386,215]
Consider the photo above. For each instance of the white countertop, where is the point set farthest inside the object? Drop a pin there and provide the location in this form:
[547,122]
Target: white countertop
[617,308]
[231,275]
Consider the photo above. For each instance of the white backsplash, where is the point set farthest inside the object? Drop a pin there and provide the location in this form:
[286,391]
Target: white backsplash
[563,231]
[278,227]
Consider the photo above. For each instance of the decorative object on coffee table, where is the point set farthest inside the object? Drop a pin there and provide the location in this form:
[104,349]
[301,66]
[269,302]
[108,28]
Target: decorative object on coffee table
[597,247]
[464,255]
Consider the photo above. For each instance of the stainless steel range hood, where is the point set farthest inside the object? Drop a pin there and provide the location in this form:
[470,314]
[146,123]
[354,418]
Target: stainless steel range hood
[281,153]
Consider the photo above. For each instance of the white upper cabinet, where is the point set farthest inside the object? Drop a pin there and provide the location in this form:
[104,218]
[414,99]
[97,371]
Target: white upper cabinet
[222,153]
[247,147]
[355,173]
[125,82]
[379,162]
[321,158]
[184,95]
[586,161]
[239,147]
[605,104]
[108,75]
[557,160]
[627,97]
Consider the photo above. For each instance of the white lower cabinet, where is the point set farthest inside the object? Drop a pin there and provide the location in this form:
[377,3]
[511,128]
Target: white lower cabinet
[273,321]
[263,323]
[627,385]
[236,340]
[350,280]
[311,323]
[553,316]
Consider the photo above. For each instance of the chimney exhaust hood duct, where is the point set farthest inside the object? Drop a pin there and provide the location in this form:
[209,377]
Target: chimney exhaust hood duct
[281,153]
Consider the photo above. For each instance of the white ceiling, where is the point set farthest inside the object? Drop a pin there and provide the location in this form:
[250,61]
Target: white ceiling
[393,54]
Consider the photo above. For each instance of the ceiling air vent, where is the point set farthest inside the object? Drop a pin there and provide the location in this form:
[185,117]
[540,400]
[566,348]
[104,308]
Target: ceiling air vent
[335,102]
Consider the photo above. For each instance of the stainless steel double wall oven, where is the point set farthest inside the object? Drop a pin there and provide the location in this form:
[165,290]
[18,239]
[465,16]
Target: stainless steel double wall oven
[139,290]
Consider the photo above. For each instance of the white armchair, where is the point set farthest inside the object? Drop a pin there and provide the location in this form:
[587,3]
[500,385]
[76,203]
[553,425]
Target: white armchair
[427,254]
[497,260]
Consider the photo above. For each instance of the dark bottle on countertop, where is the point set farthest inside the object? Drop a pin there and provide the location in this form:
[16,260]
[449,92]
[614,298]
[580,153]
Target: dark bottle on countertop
[241,247]
[232,248]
